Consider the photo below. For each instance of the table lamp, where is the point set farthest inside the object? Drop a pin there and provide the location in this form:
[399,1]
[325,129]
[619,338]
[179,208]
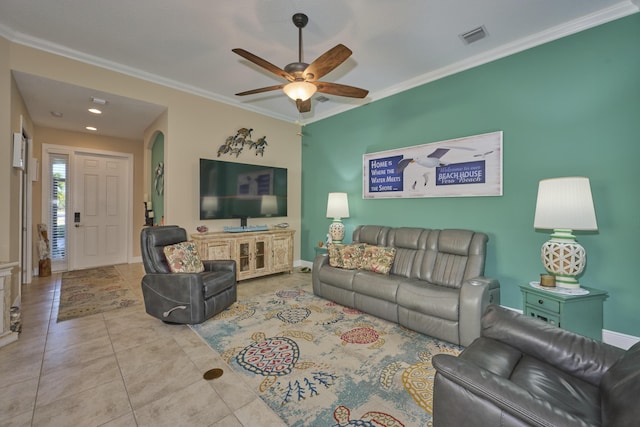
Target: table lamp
[337,208]
[564,205]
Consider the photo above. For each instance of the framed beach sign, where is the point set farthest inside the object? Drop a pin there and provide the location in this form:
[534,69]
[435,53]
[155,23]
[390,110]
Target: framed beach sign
[462,167]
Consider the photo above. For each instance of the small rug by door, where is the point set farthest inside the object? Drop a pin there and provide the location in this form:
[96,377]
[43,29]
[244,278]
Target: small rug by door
[91,291]
[317,363]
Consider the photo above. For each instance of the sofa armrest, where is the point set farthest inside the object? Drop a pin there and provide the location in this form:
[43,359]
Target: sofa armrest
[318,262]
[494,390]
[220,265]
[575,354]
[475,296]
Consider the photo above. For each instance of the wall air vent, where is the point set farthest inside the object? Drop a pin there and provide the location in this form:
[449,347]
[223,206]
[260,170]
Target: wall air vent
[321,98]
[474,35]
[98,101]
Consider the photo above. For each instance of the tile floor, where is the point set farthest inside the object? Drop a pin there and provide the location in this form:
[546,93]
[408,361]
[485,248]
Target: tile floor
[122,367]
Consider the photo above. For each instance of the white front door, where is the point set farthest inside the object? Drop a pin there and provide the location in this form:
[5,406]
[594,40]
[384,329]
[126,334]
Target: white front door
[99,218]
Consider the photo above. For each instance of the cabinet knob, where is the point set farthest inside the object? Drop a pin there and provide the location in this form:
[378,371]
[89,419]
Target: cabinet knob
[540,301]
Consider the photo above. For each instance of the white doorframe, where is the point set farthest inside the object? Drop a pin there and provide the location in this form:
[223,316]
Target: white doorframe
[27,271]
[26,214]
[71,152]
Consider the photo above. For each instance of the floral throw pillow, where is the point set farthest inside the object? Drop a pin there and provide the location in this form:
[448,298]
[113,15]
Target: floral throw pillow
[348,257]
[378,259]
[183,258]
[335,258]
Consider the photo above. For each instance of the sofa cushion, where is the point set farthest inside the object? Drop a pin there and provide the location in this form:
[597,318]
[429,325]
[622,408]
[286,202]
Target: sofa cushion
[183,257]
[338,277]
[378,259]
[426,298]
[620,387]
[494,356]
[561,389]
[376,285]
[371,234]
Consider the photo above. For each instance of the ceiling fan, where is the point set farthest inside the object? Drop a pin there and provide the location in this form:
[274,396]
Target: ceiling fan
[303,77]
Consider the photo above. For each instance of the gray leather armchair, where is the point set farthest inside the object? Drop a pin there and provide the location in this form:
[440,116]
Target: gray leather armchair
[183,297]
[524,372]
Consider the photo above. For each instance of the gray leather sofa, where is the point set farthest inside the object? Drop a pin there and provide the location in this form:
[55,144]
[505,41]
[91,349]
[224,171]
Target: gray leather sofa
[525,372]
[435,286]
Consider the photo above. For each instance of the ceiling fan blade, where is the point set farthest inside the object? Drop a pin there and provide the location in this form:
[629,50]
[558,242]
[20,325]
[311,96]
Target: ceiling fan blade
[327,62]
[341,90]
[264,64]
[260,90]
[303,106]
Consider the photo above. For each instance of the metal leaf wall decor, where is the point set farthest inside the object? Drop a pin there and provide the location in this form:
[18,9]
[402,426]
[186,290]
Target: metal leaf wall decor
[235,144]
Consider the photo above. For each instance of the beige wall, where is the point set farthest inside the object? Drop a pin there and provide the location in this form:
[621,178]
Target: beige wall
[20,120]
[6,171]
[193,127]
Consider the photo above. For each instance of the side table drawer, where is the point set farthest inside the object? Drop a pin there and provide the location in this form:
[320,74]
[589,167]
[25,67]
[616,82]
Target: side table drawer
[544,316]
[547,304]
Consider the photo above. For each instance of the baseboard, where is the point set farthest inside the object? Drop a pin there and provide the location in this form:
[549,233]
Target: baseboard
[618,339]
[8,337]
[615,339]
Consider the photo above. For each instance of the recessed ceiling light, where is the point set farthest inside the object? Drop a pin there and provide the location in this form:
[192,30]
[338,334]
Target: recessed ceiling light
[56,114]
[92,128]
[95,111]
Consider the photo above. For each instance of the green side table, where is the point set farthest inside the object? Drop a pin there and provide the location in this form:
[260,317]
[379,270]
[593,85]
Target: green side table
[320,250]
[577,313]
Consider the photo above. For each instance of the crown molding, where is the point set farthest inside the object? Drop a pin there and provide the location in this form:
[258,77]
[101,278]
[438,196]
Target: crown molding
[622,9]
[572,27]
[7,33]
[56,49]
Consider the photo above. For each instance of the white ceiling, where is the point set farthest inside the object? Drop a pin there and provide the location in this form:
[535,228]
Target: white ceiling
[187,45]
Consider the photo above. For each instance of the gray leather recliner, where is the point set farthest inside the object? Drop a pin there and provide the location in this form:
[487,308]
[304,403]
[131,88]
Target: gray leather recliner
[183,297]
[524,372]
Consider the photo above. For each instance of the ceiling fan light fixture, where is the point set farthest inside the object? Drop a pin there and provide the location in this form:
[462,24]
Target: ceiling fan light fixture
[300,90]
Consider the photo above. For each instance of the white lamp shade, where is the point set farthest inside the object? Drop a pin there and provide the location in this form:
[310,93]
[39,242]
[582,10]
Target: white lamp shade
[268,205]
[565,203]
[300,90]
[337,205]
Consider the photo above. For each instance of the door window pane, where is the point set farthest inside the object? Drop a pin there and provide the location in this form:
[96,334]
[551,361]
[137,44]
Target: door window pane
[58,170]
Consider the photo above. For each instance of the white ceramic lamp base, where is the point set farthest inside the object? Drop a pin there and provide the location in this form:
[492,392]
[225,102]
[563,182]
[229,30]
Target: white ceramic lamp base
[336,231]
[565,258]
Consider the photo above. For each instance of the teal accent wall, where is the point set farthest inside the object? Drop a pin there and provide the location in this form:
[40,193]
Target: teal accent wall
[569,107]
[157,156]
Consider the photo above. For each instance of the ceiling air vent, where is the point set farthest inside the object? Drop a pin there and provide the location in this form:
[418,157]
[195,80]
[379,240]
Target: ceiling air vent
[322,98]
[474,35]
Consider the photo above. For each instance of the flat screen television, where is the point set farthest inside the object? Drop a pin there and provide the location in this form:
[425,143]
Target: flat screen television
[240,190]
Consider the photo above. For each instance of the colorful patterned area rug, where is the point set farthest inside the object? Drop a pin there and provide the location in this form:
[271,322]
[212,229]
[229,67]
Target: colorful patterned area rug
[92,291]
[317,363]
